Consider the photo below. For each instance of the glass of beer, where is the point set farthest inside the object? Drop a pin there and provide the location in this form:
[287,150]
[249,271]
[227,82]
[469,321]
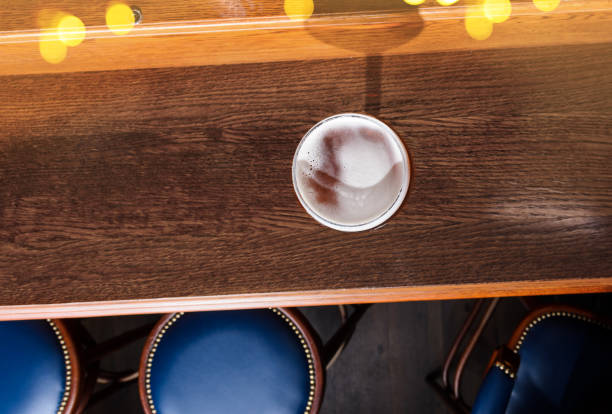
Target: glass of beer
[351,172]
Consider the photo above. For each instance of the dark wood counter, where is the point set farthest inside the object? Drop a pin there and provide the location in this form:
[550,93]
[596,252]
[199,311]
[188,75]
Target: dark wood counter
[156,189]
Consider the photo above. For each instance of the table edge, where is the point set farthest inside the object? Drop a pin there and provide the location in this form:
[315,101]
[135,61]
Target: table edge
[306,298]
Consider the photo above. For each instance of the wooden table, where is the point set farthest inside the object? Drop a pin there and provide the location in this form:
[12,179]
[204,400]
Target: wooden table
[151,189]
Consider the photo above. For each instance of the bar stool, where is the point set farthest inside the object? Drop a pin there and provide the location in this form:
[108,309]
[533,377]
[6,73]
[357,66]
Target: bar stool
[559,360]
[40,368]
[248,361]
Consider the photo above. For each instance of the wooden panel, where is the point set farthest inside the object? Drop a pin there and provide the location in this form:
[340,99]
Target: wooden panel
[168,183]
[306,298]
[250,33]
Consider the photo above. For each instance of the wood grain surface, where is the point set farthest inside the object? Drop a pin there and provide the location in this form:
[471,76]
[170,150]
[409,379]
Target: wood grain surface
[196,33]
[176,183]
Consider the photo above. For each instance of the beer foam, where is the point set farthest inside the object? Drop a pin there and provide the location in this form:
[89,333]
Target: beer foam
[350,170]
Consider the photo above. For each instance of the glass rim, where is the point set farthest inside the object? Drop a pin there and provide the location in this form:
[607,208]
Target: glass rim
[385,215]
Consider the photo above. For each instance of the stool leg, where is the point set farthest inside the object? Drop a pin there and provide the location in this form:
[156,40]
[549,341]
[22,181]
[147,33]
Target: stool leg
[91,354]
[470,346]
[117,382]
[342,335]
[464,329]
[450,394]
[102,349]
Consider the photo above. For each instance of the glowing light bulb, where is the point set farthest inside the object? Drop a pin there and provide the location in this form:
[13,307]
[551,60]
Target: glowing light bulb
[120,19]
[71,30]
[546,5]
[414,2]
[497,11]
[299,9]
[478,26]
[447,2]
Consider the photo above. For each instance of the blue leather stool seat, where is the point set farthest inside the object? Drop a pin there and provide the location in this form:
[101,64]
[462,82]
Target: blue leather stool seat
[252,361]
[33,368]
[565,367]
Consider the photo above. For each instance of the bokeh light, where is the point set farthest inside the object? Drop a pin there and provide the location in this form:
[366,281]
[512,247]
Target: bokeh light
[58,31]
[71,30]
[497,11]
[478,26]
[120,18]
[447,2]
[414,2]
[546,5]
[299,9]
[52,49]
